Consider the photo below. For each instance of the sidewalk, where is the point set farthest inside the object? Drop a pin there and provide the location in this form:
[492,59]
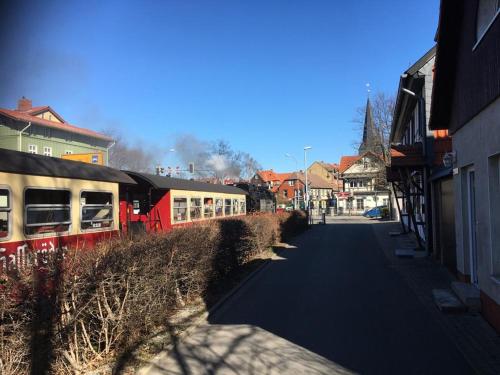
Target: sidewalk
[473,336]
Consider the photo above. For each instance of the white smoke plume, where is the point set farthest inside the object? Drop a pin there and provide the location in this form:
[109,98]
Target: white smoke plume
[215,159]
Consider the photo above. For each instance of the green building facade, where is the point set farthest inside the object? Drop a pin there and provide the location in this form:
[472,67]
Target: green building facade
[42,136]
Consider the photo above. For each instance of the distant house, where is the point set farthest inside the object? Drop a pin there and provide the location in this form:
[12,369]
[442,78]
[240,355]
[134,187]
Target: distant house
[466,102]
[326,171]
[291,190]
[269,178]
[363,183]
[41,130]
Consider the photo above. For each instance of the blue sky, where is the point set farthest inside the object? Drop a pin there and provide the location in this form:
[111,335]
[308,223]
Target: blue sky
[267,76]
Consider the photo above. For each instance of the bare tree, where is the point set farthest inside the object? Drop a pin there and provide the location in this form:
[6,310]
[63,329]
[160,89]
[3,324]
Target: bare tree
[382,112]
[215,159]
[124,156]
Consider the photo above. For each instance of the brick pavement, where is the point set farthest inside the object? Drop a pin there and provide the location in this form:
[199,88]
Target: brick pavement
[473,336]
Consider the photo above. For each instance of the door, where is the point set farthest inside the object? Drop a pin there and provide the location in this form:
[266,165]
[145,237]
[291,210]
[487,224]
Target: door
[472,226]
[446,225]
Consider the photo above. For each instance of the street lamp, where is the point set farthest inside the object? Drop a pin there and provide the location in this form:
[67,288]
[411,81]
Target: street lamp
[306,148]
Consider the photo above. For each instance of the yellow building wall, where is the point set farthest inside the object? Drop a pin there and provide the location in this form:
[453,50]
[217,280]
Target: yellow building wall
[47,115]
[318,170]
[86,158]
[18,183]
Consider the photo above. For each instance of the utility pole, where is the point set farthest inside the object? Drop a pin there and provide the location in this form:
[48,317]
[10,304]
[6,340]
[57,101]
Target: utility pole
[306,148]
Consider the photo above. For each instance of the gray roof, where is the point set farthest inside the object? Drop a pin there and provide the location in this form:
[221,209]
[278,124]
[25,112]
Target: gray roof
[421,61]
[39,165]
[167,183]
[371,138]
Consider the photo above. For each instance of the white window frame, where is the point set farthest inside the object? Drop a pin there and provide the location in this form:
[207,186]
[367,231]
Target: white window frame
[362,204]
[7,209]
[111,221]
[47,151]
[174,221]
[32,149]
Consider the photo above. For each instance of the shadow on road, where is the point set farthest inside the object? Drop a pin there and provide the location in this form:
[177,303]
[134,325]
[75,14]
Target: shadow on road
[328,303]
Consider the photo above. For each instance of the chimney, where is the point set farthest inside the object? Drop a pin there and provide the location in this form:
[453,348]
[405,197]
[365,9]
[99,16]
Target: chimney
[24,104]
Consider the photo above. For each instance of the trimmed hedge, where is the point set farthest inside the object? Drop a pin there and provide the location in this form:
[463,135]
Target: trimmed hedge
[79,312]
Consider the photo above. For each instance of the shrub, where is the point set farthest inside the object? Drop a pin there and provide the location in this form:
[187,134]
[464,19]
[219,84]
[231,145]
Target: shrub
[80,311]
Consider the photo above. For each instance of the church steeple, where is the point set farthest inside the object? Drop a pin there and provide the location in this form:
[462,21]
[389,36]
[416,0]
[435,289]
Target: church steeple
[371,138]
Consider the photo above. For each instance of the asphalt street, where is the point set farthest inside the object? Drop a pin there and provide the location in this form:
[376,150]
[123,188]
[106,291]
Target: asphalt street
[331,305]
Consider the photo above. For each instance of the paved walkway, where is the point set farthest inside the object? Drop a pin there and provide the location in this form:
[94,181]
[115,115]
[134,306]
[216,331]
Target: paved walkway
[334,304]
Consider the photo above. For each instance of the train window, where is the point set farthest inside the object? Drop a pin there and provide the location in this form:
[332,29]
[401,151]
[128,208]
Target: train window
[208,204]
[195,208]
[235,207]
[227,207]
[218,207]
[47,211]
[96,210]
[4,213]
[180,209]
[243,207]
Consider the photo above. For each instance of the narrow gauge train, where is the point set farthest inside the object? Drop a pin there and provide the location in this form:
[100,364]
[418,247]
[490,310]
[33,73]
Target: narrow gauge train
[157,203]
[49,204]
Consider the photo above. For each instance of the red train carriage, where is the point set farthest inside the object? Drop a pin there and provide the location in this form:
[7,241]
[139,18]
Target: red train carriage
[158,203]
[47,204]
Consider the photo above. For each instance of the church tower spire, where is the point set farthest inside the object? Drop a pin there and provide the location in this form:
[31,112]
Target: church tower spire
[371,138]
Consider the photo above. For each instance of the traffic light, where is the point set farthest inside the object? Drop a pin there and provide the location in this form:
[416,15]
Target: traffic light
[191,167]
[160,170]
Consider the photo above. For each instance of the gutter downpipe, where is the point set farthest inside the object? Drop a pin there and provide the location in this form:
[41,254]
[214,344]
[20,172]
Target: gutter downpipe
[107,153]
[20,144]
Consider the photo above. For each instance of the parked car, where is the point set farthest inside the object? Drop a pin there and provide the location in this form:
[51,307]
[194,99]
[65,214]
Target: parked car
[374,212]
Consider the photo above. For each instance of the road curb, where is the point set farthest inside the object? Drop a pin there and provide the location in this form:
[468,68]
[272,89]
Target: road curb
[213,310]
[203,318]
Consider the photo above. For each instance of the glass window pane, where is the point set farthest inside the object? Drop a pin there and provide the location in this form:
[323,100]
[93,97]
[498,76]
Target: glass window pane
[208,204]
[47,215]
[195,209]
[4,198]
[47,196]
[4,224]
[97,210]
[227,207]
[94,197]
[235,207]
[180,209]
[47,211]
[219,207]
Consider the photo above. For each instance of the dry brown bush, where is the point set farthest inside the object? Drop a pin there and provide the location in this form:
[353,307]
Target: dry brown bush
[111,298]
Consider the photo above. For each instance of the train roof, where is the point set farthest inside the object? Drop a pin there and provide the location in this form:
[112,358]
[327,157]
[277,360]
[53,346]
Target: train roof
[40,165]
[167,183]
